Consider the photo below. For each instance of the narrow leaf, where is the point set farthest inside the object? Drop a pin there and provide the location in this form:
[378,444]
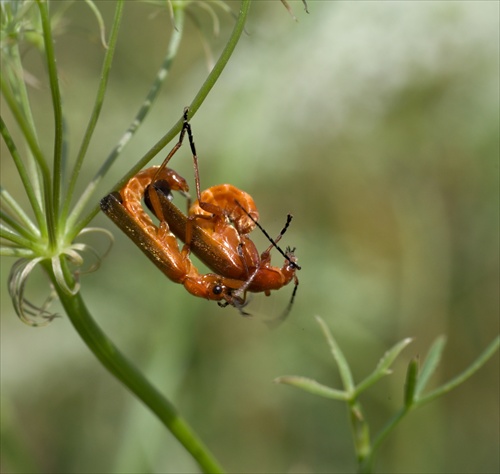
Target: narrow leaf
[27,184]
[430,364]
[15,210]
[310,385]
[15,238]
[383,365]
[9,249]
[474,367]
[143,111]
[94,116]
[100,21]
[16,226]
[344,370]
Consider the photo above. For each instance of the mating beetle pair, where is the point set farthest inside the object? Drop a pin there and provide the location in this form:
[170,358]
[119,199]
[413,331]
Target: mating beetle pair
[215,229]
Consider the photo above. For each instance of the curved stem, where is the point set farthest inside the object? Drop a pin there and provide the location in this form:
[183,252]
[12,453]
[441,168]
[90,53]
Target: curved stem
[200,96]
[119,366]
[222,61]
[194,106]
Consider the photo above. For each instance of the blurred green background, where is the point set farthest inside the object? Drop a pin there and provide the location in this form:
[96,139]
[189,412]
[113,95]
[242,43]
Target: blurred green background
[376,125]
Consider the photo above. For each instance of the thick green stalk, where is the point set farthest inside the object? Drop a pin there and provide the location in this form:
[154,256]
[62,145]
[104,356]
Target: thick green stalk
[119,366]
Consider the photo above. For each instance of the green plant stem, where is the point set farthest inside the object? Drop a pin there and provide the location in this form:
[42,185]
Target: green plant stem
[23,174]
[57,107]
[16,226]
[45,224]
[119,366]
[367,463]
[15,79]
[10,206]
[222,61]
[17,84]
[360,430]
[459,379]
[106,68]
[15,238]
[172,50]
[194,106]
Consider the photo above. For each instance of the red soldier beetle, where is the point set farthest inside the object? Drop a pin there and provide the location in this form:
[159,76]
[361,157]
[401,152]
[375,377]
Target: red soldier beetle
[159,244]
[215,230]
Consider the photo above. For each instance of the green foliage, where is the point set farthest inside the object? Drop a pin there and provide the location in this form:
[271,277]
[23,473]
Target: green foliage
[50,241]
[372,123]
[414,386]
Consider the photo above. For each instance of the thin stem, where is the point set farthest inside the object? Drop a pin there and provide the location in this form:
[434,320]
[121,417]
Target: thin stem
[222,61]
[8,250]
[106,68]
[10,205]
[367,463]
[46,226]
[57,106]
[172,50]
[26,182]
[396,419]
[17,226]
[29,135]
[15,238]
[100,21]
[16,81]
[459,379]
[195,105]
[17,84]
[119,366]
[26,129]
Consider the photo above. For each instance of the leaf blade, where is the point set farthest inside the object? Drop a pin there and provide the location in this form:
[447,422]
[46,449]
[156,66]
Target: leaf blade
[312,386]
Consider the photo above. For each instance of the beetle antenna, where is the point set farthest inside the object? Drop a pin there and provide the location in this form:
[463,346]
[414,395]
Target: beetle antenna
[274,242]
[292,299]
[273,323]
